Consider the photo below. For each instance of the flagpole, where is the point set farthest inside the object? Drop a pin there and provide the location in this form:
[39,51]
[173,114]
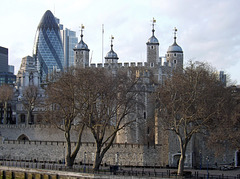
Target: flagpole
[102,43]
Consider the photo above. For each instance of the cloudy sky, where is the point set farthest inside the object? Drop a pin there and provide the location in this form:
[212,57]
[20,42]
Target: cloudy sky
[208,30]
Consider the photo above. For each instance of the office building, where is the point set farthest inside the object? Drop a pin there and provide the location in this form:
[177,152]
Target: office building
[6,71]
[70,40]
[3,59]
[48,48]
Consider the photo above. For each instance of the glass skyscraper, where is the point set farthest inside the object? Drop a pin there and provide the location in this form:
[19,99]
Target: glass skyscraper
[48,47]
[70,40]
[6,76]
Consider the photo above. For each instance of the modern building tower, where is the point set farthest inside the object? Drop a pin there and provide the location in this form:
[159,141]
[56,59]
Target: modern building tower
[48,47]
[81,53]
[3,59]
[6,76]
[70,40]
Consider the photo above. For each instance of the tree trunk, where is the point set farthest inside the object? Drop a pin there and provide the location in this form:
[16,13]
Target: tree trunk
[183,147]
[181,161]
[98,158]
[69,161]
[5,113]
[29,115]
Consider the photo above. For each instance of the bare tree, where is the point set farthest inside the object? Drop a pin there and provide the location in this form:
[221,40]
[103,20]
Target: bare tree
[62,107]
[110,96]
[6,94]
[226,132]
[189,102]
[30,100]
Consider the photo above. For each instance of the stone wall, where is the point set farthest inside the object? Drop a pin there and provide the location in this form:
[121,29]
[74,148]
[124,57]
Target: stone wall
[41,133]
[121,154]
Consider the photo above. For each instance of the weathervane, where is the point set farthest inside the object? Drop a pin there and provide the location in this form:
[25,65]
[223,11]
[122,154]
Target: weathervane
[81,29]
[175,33]
[153,22]
[111,40]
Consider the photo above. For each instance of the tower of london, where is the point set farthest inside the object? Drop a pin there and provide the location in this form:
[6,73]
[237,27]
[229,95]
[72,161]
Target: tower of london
[151,144]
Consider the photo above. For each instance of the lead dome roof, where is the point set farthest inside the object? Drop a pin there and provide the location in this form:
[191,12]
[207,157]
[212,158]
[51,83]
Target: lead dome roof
[175,48]
[111,55]
[153,40]
[81,45]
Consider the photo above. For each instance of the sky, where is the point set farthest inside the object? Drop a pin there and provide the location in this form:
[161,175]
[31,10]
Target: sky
[208,30]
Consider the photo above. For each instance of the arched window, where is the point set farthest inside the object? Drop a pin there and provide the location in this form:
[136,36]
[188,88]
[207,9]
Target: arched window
[23,137]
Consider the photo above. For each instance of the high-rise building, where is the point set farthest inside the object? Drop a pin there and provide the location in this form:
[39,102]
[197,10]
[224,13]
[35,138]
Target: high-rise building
[48,47]
[11,69]
[70,40]
[6,71]
[3,59]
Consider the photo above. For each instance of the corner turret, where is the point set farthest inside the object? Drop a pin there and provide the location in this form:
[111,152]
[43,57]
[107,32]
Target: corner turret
[175,54]
[81,53]
[111,56]
[152,48]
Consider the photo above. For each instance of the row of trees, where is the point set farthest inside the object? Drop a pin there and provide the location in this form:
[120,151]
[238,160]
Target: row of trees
[95,99]
[189,102]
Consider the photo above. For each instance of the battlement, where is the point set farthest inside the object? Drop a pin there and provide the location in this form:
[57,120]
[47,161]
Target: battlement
[130,64]
[119,65]
[26,126]
[84,144]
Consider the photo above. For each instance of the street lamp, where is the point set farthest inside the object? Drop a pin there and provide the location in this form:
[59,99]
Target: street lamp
[64,155]
[200,153]
[207,167]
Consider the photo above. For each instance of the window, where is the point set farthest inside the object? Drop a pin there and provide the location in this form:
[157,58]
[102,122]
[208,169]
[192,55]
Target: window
[175,54]
[175,61]
[148,130]
[144,115]
[152,47]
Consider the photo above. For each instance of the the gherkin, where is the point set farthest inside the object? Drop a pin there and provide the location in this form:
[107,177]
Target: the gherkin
[48,47]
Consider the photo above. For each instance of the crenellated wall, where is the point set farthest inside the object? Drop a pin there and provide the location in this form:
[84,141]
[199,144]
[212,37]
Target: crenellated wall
[121,154]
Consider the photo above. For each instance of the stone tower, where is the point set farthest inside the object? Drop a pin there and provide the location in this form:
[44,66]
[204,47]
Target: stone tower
[81,53]
[111,56]
[152,48]
[28,74]
[175,54]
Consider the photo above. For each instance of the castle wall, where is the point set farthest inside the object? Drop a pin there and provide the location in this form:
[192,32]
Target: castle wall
[121,154]
[41,133]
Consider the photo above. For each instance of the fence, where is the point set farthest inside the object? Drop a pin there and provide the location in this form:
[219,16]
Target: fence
[104,170]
